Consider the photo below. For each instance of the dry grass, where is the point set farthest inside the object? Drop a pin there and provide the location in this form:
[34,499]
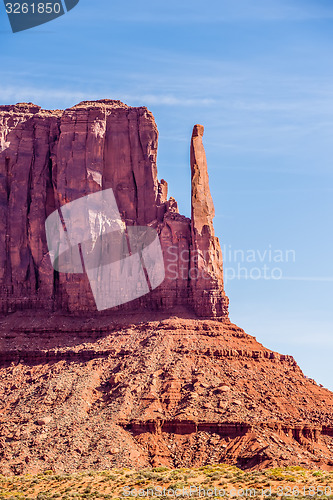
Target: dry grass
[286,483]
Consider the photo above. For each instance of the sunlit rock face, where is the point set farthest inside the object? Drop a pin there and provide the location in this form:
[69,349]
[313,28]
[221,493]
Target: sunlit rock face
[51,158]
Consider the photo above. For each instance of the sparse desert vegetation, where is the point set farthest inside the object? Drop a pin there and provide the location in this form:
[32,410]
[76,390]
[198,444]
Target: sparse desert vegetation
[161,482]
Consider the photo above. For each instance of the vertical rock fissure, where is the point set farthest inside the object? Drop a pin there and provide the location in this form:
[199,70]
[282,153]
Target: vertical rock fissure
[7,273]
[132,165]
[30,190]
[85,155]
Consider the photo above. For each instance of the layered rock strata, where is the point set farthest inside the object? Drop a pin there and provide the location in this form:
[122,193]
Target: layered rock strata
[50,158]
[177,392]
[85,391]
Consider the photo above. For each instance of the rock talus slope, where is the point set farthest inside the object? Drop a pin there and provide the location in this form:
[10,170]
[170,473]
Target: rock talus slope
[165,380]
[95,393]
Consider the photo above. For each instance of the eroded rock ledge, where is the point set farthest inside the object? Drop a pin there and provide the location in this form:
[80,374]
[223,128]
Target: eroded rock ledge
[175,392]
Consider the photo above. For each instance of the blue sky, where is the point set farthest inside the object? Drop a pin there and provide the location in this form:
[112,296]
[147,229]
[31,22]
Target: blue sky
[258,74]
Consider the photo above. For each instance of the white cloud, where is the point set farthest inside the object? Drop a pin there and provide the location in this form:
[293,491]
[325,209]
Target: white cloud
[12,94]
[167,100]
[19,94]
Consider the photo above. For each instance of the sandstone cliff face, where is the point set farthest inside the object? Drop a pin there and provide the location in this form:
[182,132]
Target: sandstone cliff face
[49,158]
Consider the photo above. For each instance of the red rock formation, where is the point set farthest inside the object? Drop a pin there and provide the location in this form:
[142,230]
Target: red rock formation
[49,158]
[79,394]
[99,391]
[206,256]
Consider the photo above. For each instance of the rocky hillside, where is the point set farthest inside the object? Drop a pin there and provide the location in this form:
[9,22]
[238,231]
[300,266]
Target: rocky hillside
[165,380]
[95,393]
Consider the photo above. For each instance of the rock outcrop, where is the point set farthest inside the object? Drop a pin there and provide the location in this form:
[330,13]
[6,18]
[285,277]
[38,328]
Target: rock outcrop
[93,394]
[82,390]
[49,158]
[206,257]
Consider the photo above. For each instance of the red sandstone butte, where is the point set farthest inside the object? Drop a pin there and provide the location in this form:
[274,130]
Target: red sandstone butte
[166,380]
[49,158]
